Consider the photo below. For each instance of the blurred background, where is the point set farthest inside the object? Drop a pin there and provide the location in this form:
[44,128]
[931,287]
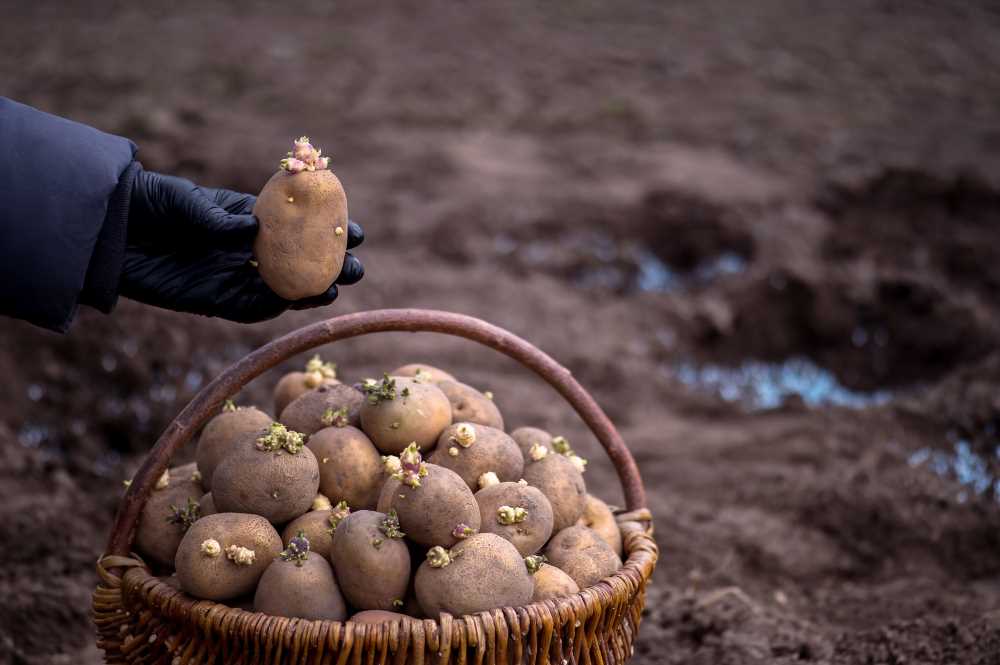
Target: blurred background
[765,235]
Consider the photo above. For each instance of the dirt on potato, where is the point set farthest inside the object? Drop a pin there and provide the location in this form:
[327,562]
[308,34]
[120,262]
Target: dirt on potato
[765,237]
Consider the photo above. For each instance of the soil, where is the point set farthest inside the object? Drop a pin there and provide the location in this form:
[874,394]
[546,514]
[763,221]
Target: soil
[764,235]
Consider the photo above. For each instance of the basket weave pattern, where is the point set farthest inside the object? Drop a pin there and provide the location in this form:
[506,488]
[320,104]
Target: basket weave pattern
[142,619]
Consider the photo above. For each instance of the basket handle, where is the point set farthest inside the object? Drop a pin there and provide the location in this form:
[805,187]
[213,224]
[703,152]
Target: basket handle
[207,402]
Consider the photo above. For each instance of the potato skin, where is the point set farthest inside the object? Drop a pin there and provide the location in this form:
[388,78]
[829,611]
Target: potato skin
[597,516]
[373,569]
[471,406]
[156,537]
[291,386]
[304,590]
[528,536]
[486,572]
[316,525]
[207,505]
[421,417]
[305,413]
[492,451]
[386,495]
[580,553]
[350,467]
[377,616]
[550,582]
[219,578]
[526,437]
[429,513]
[562,484]
[220,433]
[433,374]
[297,247]
[276,485]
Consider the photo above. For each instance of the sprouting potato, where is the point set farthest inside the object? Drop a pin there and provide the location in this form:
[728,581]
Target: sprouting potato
[170,510]
[318,527]
[329,404]
[550,582]
[350,467]
[371,560]
[292,385]
[299,583]
[472,450]
[515,512]
[471,406]
[598,516]
[560,481]
[526,437]
[221,432]
[583,555]
[302,239]
[422,372]
[398,411]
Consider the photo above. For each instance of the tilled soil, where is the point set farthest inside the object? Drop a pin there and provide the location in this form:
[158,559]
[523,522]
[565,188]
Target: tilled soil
[764,236]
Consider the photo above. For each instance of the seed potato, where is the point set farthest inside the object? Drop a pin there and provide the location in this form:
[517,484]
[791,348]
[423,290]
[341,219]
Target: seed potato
[371,560]
[350,467]
[172,507]
[318,530]
[207,505]
[431,512]
[550,582]
[325,406]
[398,411]
[471,406]
[299,583]
[422,372]
[269,473]
[597,516]
[222,556]
[378,616]
[561,483]
[479,573]
[472,450]
[221,432]
[526,437]
[518,513]
[583,555]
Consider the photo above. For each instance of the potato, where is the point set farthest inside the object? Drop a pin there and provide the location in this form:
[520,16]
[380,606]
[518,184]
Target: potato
[583,555]
[171,509]
[303,226]
[526,437]
[472,450]
[299,583]
[378,616]
[371,560]
[326,406]
[479,573]
[471,406]
[269,473]
[561,483]
[221,432]
[398,411]
[386,495]
[518,513]
[434,505]
[350,468]
[550,582]
[318,526]
[294,384]
[207,505]
[597,516]
[222,556]
[422,372]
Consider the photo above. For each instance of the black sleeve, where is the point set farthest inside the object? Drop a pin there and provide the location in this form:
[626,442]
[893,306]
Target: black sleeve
[64,192]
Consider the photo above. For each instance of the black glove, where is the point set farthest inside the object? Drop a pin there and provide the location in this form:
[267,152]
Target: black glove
[189,248]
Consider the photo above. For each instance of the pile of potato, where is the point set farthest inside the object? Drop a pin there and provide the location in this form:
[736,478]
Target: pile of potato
[397,496]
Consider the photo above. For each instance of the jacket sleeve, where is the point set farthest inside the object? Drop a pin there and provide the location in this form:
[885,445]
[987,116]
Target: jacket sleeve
[64,192]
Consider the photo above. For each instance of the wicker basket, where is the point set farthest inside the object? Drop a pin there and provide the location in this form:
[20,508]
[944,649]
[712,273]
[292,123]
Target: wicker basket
[141,619]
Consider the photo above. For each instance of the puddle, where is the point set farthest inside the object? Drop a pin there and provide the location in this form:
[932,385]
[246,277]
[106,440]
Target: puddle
[962,464]
[767,385]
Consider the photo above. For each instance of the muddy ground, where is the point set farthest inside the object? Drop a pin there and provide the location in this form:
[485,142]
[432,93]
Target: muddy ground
[763,234]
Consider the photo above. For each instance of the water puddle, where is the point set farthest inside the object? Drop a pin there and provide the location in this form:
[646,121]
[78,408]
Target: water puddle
[764,386]
[962,464]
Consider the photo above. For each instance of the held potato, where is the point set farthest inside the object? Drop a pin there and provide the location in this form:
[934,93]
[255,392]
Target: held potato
[302,239]
[350,468]
[479,573]
[550,582]
[518,513]
[561,483]
[398,411]
[316,373]
[222,556]
[221,432]
[526,437]
[471,406]
[580,553]
[472,450]
[172,507]
[336,404]
[423,373]
[597,516]
[269,473]
[371,560]
[299,583]
[434,505]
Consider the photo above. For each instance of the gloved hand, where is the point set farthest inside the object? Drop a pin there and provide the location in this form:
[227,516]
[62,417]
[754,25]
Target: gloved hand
[188,248]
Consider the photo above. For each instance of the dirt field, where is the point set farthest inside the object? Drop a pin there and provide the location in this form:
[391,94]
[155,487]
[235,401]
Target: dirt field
[765,235]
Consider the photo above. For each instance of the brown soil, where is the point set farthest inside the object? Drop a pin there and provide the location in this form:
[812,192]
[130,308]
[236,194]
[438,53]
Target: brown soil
[820,181]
